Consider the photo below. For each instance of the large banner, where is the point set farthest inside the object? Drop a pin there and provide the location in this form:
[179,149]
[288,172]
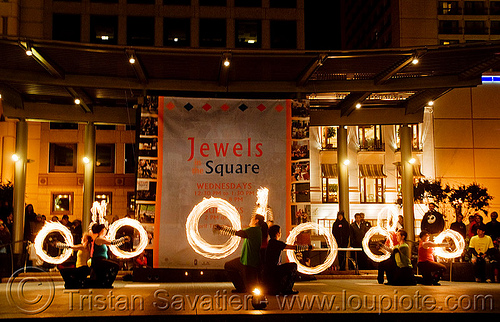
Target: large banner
[222,148]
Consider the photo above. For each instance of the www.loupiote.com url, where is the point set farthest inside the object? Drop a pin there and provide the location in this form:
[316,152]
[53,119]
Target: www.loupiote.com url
[161,300]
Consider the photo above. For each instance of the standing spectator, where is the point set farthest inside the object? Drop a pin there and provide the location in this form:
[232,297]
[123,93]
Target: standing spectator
[493,227]
[5,239]
[357,233]
[9,223]
[459,226]
[29,217]
[76,229]
[65,221]
[400,224]
[478,220]
[365,223]
[340,231]
[433,220]
[432,271]
[481,247]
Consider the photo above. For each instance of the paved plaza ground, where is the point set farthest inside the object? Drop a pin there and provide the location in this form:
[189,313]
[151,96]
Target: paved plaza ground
[43,296]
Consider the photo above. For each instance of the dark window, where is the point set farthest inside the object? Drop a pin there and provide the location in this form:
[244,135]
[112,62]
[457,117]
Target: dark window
[141,1]
[448,8]
[176,32]
[449,27]
[130,156]
[283,3]
[475,27]
[141,31]
[474,8]
[105,158]
[62,157]
[177,2]
[495,28]
[5,23]
[66,27]
[283,34]
[494,7]
[248,33]
[301,192]
[105,127]
[130,127]
[63,126]
[212,33]
[104,29]
[215,3]
[248,3]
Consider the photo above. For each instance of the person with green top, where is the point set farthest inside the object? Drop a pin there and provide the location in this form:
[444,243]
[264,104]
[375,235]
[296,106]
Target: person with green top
[398,268]
[243,272]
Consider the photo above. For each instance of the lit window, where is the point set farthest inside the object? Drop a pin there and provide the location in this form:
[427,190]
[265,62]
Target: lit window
[176,32]
[370,138]
[104,196]
[371,183]
[329,137]
[62,203]
[416,130]
[62,157]
[104,29]
[131,202]
[248,33]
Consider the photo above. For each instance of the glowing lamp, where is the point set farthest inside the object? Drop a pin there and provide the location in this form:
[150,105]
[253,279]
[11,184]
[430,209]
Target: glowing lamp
[86,160]
[259,300]
[347,162]
[15,157]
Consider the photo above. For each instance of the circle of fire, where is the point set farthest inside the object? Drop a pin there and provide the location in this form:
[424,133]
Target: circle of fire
[330,240]
[457,239]
[366,243]
[48,228]
[200,245]
[143,237]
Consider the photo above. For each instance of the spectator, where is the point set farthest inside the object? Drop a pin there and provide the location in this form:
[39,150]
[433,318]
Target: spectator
[357,233]
[433,220]
[481,247]
[340,231]
[141,261]
[29,217]
[478,220]
[493,227]
[459,226]
[76,229]
[400,224]
[65,221]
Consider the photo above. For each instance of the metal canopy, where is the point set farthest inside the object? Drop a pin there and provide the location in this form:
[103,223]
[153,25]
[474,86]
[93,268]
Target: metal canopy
[102,76]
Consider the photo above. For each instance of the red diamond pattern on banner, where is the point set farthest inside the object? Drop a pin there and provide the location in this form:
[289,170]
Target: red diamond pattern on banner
[206,107]
[170,106]
[261,107]
[224,107]
[279,107]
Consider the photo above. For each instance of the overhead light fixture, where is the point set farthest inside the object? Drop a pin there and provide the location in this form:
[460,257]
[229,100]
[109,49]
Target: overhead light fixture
[347,162]
[227,63]
[0,96]
[15,157]
[131,60]
[77,101]
[430,103]
[412,161]
[414,61]
[358,105]
[29,52]
[176,39]
[104,37]
[86,160]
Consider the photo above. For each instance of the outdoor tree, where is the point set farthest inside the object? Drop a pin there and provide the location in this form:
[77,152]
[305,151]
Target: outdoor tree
[467,199]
